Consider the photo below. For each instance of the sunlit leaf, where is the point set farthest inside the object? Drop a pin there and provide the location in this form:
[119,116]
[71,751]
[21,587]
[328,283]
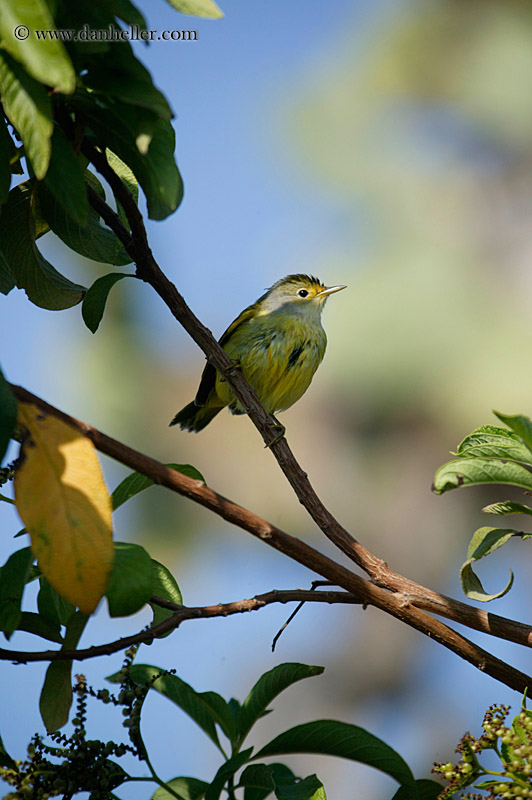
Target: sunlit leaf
[28,108]
[483,542]
[471,471]
[520,425]
[62,499]
[198,8]
[492,442]
[507,507]
[46,59]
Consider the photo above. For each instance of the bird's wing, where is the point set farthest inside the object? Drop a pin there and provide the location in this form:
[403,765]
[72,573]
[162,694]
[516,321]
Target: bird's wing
[248,313]
[208,377]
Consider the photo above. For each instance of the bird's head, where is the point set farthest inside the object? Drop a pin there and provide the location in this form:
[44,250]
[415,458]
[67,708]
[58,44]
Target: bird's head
[297,294]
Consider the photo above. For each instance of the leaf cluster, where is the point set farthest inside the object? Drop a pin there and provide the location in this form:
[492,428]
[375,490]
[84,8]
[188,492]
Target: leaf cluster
[491,454]
[242,773]
[59,96]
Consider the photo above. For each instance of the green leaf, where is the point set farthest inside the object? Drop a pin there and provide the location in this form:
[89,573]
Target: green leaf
[94,301]
[44,286]
[34,623]
[13,579]
[5,758]
[130,582]
[7,278]
[56,694]
[128,82]
[259,779]
[8,414]
[46,59]
[52,607]
[198,8]
[137,482]
[426,790]
[146,144]
[492,442]
[520,425]
[468,472]
[128,179]
[507,507]
[65,180]
[483,542]
[164,585]
[329,737]
[310,788]
[221,713]
[225,772]
[28,108]
[6,147]
[93,240]
[267,688]
[186,788]
[179,692]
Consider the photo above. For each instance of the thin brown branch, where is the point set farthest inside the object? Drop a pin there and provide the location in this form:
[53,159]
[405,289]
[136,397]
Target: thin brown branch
[399,604]
[181,614]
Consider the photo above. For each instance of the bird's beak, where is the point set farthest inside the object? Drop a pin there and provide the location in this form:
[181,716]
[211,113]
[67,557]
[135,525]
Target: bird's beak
[330,290]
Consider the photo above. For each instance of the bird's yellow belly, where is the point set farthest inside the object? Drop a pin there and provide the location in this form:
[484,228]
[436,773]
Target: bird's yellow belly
[280,366]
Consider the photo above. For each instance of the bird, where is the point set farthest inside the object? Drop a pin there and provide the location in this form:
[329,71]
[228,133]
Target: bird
[278,343]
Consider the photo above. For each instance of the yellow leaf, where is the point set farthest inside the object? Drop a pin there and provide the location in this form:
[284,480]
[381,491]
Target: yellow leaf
[64,504]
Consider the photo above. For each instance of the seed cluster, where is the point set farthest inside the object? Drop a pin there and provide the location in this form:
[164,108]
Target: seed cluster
[513,746]
[73,764]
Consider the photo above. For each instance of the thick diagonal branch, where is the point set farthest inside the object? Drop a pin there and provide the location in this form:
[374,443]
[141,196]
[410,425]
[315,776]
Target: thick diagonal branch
[399,603]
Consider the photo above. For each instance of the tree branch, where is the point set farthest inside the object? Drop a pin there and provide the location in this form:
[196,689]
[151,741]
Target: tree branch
[181,614]
[149,271]
[400,604]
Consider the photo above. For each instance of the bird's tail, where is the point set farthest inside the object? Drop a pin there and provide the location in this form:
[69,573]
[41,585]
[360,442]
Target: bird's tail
[194,418]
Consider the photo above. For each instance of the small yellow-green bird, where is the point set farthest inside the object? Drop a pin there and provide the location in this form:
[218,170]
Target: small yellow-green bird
[278,343]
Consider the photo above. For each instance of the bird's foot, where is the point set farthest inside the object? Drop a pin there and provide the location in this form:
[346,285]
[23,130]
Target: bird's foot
[280,431]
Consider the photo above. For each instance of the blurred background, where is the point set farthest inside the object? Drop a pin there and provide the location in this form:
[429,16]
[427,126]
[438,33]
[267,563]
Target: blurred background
[387,146]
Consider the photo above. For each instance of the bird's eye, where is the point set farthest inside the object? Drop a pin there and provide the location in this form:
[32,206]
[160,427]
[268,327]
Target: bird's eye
[303,293]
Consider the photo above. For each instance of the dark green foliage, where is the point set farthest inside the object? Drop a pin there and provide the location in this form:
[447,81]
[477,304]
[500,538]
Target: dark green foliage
[8,414]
